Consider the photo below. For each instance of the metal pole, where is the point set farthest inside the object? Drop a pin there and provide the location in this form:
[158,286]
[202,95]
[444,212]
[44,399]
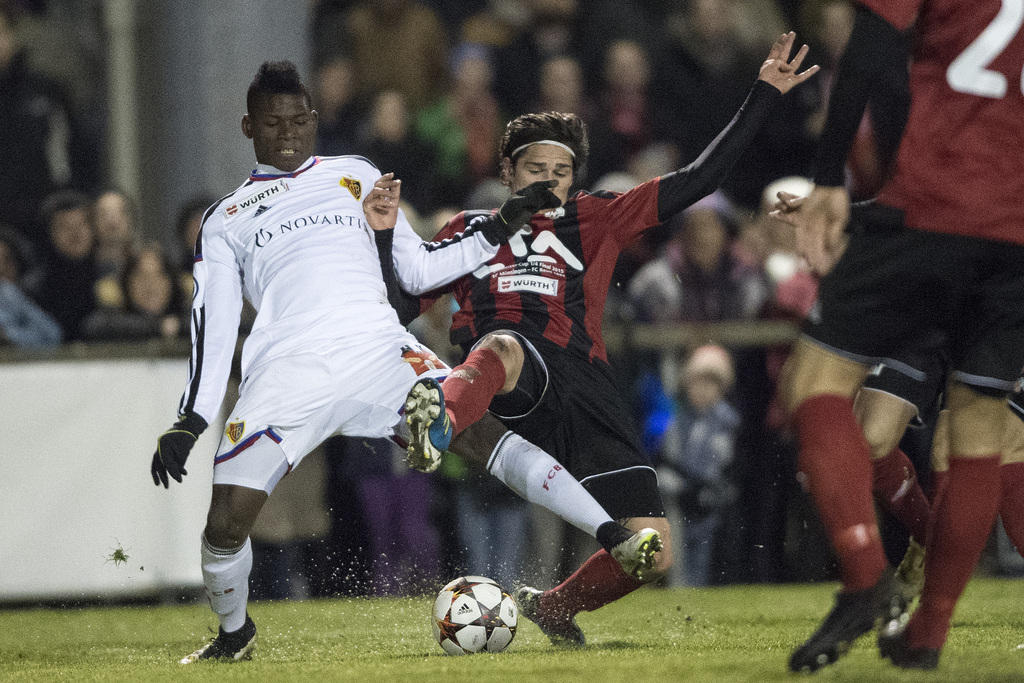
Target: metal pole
[122,88]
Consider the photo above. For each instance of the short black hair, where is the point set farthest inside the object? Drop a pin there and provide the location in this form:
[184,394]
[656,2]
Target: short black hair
[276,78]
[568,129]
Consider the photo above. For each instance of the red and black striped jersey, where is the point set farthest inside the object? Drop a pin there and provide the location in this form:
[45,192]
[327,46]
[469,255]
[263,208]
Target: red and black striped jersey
[551,279]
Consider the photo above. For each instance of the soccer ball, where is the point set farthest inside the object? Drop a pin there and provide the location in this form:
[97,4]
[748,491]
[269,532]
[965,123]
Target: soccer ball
[473,614]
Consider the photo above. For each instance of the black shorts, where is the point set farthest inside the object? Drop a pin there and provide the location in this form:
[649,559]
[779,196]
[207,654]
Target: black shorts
[918,376]
[574,410]
[895,288]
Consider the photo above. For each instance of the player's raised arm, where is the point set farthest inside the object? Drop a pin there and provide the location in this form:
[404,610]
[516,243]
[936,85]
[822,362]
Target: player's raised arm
[424,266]
[782,72]
[875,47]
[778,75]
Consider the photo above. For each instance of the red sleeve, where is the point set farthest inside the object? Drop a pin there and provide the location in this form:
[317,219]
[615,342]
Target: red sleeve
[899,13]
[620,217]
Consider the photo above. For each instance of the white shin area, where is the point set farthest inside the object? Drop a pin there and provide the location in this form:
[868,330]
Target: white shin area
[226,575]
[536,476]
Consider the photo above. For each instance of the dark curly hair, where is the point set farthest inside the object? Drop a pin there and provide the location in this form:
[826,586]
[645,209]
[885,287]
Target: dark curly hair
[568,129]
[276,78]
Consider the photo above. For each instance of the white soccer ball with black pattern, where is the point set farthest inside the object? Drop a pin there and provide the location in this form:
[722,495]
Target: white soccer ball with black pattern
[473,614]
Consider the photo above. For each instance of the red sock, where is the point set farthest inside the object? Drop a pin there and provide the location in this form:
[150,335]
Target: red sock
[471,386]
[836,461]
[896,488]
[597,582]
[962,519]
[1011,509]
[939,478]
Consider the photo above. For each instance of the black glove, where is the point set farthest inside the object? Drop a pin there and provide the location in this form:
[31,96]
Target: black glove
[173,446]
[517,209]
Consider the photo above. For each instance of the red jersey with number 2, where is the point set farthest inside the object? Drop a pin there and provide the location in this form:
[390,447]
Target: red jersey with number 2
[960,166]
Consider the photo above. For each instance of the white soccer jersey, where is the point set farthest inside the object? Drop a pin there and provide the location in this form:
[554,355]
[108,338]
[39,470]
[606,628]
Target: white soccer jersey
[298,247]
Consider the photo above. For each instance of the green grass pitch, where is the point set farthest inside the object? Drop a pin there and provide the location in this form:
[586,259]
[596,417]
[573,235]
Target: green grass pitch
[742,633]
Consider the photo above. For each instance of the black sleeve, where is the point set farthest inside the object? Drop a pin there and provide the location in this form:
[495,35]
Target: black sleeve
[681,188]
[871,213]
[876,50]
[406,305]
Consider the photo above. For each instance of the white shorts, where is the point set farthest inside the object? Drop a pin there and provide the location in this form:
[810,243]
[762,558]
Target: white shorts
[300,400]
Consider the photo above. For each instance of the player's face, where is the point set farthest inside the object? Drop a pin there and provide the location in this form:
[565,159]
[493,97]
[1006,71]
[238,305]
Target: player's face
[543,162]
[282,129]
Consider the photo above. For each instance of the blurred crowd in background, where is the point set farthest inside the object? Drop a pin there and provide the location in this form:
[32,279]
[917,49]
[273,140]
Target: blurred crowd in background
[423,88]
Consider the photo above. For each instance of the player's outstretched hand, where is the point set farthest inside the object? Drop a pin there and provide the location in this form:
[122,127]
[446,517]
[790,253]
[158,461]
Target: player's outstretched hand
[517,209]
[779,71]
[172,449]
[819,221]
[381,204]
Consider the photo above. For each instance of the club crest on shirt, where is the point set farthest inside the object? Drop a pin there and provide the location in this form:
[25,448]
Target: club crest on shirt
[352,185]
[235,430]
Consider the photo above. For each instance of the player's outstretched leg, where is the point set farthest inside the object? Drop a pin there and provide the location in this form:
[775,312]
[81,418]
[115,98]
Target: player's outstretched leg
[854,614]
[624,565]
[561,630]
[429,425]
[636,553]
[227,647]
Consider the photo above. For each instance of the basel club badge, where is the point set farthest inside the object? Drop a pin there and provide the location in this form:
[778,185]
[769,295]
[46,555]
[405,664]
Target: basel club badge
[352,185]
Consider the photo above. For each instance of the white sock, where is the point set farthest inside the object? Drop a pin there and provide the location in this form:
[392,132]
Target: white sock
[539,478]
[226,575]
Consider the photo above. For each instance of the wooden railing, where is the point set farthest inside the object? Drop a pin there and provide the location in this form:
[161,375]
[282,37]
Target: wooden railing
[654,337]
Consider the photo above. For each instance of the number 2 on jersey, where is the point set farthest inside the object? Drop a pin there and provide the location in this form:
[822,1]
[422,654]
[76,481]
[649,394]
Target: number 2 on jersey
[969,72]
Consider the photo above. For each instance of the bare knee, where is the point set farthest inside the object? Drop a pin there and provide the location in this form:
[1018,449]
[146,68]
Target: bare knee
[1013,441]
[511,354]
[812,370]
[883,419]
[233,511]
[977,422]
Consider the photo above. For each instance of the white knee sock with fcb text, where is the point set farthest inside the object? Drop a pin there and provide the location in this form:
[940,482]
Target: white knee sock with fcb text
[226,575]
[539,478]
